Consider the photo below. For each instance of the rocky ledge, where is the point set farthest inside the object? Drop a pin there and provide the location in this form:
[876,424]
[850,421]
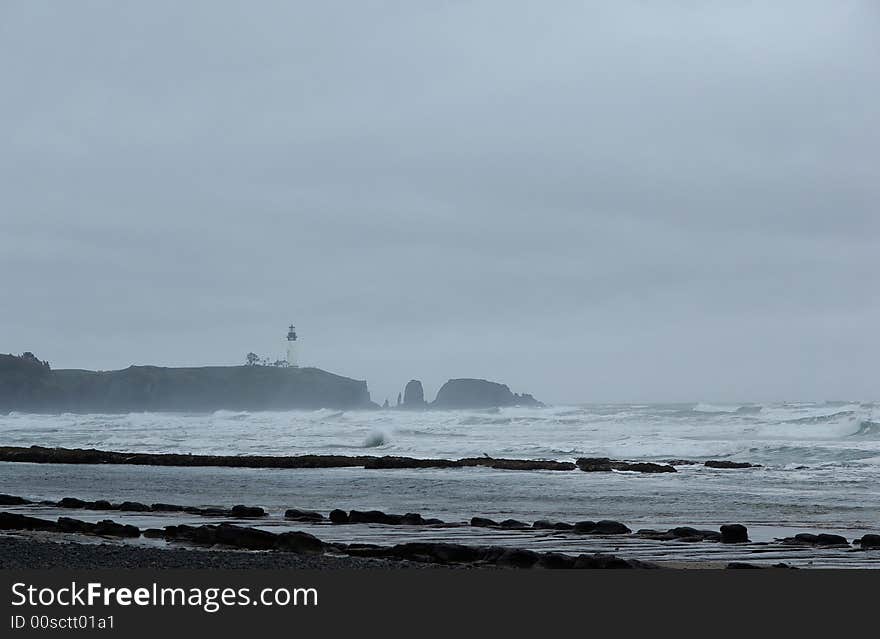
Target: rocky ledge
[236,535]
[44,455]
[604,464]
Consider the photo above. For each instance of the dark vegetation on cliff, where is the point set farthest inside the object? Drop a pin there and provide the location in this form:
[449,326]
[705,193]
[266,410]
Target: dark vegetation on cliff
[30,385]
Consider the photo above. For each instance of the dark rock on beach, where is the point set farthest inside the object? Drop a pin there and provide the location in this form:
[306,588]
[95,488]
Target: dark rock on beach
[610,527]
[483,522]
[734,534]
[442,553]
[110,528]
[195,534]
[243,537]
[655,535]
[556,561]
[746,565]
[602,561]
[294,514]
[68,525]
[14,521]
[741,565]
[107,527]
[169,508]
[822,539]
[12,500]
[338,516]
[518,558]
[134,506]
[869,541]
[299,542]
[680,533]
[433,521]
[687,533]
[247,512]
[72,502]
[544,524]
[603,527]
[514,524]
[373,517]
[459,554]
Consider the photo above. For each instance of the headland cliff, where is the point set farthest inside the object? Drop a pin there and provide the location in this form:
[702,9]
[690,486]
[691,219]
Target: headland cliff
[28,384]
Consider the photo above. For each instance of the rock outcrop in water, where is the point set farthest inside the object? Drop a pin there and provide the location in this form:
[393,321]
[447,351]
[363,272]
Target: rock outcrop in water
[414,395]
[43,455]
[26,384]
[479,393]
[604,464]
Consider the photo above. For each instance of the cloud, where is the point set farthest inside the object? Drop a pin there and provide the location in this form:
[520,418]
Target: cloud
[628,201]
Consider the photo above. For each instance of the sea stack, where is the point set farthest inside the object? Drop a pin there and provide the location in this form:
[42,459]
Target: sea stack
[414,395]
[479,393]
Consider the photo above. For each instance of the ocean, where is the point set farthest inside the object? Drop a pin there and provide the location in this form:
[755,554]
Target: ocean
[820,462]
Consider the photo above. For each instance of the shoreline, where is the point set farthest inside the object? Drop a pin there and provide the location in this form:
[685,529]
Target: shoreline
[476,543]
[35,552]
[38,552]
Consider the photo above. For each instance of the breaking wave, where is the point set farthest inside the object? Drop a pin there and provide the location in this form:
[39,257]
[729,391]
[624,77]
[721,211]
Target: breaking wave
[719,409]
[821,419]
[867,428]
[480,421]
[375,439]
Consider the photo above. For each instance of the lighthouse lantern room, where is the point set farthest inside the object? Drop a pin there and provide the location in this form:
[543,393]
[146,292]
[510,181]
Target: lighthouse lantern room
[291,346]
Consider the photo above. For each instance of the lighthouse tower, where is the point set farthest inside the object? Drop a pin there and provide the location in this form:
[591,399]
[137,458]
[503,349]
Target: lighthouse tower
[291,347]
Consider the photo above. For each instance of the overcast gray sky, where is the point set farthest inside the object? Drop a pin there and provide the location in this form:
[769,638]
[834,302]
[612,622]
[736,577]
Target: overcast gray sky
[590,202]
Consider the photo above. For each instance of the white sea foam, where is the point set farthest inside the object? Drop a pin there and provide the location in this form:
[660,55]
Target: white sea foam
[630,431]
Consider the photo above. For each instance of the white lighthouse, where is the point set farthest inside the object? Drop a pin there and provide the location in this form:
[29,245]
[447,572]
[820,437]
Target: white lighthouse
[291,346]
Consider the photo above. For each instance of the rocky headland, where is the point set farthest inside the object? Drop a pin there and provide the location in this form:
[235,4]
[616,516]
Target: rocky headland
[27,384]
[30,385]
